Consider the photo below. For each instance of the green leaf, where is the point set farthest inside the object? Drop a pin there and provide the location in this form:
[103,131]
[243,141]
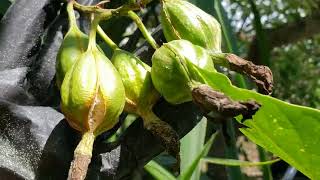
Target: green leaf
[158,172]
[291,132]
[187,173]
[191,146]
[233,162]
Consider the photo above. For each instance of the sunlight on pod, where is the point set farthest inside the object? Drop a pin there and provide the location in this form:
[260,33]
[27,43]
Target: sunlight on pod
[183,20]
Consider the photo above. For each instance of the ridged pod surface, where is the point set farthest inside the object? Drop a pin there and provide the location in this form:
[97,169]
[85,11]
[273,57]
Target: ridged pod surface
[183,20]
[73,45]
[170,73]
[135,74]
[92,93]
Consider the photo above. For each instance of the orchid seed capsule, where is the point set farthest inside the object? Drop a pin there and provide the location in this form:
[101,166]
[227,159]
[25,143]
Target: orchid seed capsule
[183,20]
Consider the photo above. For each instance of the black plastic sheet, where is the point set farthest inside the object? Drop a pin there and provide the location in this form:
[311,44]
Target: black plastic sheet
[35,140]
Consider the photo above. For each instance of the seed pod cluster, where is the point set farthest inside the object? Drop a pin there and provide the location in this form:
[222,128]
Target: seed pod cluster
[95,90]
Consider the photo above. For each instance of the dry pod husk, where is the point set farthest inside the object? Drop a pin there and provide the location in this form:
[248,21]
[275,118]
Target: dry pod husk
[183,20]
[92,98]
[73,45]
[141,97]
[170,73]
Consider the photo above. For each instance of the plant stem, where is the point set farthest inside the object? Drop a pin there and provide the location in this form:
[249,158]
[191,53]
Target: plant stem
[267,173]
[105,13]
[107,39]
[231,151]
[93,31]
[82,157]
[220,59]
[262,40]
[71,16]
[108,13]
[143,29]
[166,134]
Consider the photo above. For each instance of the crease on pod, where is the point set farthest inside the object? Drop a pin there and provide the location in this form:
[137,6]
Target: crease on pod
[92,93]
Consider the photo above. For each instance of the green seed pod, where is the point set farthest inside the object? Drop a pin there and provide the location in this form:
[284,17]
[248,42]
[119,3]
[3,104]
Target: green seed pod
[183,20]
[92,93]
[74,44]
[170,73]
[136,78]
[92,98]
[141,97]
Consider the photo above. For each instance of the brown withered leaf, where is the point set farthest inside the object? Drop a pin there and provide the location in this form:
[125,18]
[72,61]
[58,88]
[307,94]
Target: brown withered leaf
[211,100]
[261,75]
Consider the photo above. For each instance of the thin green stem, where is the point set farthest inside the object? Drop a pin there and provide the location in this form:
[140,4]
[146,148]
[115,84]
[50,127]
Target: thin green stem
[107,39]
[143,29]
[263,43]
[266,169]
[71,16]
[93,31]
[231,151]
